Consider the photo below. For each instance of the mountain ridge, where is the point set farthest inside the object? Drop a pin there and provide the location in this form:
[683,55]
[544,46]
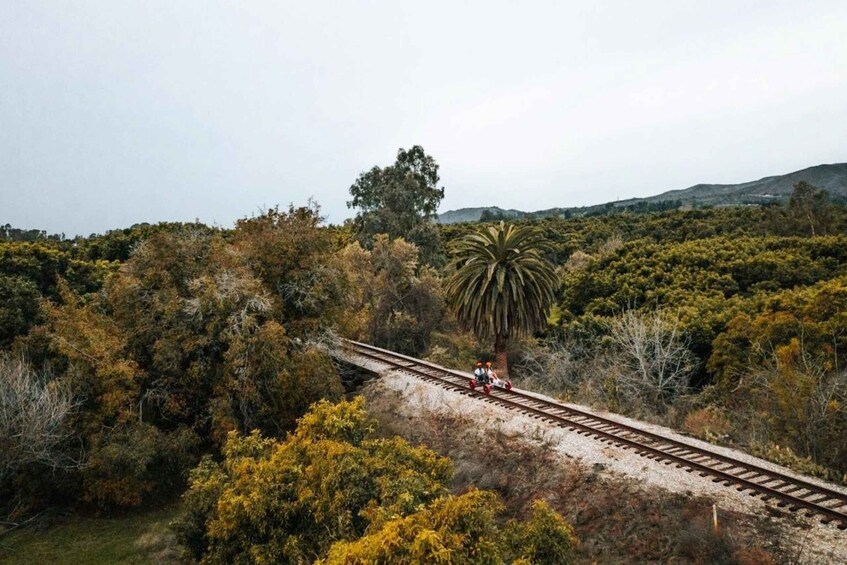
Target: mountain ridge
[774,188]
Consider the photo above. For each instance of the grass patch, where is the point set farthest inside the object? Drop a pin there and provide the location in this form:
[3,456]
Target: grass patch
[139,537]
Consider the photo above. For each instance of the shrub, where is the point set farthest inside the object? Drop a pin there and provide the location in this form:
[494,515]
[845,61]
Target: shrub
[463,529]
[701,543]
[454,349]
[707,423]
[128,463]
[453,529]
[331,492]
[656,356]
[288,501]
[787,457]
[545,538]
[394,301]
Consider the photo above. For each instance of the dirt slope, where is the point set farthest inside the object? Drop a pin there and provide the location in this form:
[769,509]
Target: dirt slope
[625,508]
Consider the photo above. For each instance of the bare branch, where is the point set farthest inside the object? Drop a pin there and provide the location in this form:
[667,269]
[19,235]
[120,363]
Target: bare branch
[34,411]
[656,354]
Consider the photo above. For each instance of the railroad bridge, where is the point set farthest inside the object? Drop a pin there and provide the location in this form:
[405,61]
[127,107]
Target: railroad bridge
[795,493]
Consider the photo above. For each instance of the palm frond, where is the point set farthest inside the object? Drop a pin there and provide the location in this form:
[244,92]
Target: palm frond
[502,285]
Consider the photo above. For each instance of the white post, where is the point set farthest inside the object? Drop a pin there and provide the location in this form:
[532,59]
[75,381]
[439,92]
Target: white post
[715,517]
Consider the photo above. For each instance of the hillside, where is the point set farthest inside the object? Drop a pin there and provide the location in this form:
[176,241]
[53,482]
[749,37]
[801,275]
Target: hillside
[832,178]
[474,214]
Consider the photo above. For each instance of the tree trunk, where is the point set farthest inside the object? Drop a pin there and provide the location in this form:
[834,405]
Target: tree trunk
[501,343]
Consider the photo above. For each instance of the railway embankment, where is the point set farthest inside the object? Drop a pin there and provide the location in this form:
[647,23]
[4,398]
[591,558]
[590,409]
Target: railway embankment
[623,503]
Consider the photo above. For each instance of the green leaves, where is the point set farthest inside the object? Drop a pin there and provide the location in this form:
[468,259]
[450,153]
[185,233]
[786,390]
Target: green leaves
[393,302]
[400,201]
[408,189]
[198,333]
[502,284]
[453,529]
[809,210]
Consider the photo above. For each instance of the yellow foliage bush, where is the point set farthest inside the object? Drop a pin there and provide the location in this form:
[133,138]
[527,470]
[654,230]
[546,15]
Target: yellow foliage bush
[463,529]
[454,529]
[285,502]
[331,492]
[545,538]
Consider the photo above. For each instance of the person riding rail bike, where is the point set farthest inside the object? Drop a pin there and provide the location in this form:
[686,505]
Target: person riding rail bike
[480,373]
[486,377]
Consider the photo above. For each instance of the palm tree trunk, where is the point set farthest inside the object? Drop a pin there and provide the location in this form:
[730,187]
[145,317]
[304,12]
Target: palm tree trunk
[501,343]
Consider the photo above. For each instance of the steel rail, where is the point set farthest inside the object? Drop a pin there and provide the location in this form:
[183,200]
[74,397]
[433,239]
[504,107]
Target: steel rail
[748,467]
[657,447]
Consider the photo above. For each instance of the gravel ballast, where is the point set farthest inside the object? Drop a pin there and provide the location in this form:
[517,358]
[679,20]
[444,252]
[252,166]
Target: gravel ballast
[821,543]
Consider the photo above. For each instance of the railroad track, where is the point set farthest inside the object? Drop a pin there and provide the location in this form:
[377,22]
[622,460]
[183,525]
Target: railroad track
[828,505]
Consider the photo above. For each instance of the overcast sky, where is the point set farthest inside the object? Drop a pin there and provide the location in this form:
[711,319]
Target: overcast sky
[113,113]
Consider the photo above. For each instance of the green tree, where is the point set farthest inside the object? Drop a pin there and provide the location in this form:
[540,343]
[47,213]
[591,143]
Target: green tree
[122,458]
[393,302]
[810,210]
[215,323]
[399,200]
[19,308]
[503,287]
[545,537]
[29,271]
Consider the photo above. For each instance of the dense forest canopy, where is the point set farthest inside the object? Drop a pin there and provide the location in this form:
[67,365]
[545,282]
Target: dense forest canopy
[128,356]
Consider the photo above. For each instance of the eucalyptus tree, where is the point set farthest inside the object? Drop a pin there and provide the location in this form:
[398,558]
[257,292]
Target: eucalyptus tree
[399,200]
[810,210]
[502,286]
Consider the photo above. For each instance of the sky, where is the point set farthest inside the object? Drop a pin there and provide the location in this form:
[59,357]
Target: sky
[115,113]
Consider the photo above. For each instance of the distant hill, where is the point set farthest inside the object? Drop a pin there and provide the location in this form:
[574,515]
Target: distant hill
[832,178]
[474,214]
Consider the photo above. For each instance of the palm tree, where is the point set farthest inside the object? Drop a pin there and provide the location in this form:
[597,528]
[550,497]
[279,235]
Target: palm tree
[502,287]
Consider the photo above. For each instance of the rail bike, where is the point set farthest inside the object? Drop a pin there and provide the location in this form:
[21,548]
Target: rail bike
[487,382]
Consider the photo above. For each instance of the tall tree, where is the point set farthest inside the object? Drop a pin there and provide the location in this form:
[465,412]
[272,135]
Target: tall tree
[502,287]
[809,209]
[393,302]
[399,200]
